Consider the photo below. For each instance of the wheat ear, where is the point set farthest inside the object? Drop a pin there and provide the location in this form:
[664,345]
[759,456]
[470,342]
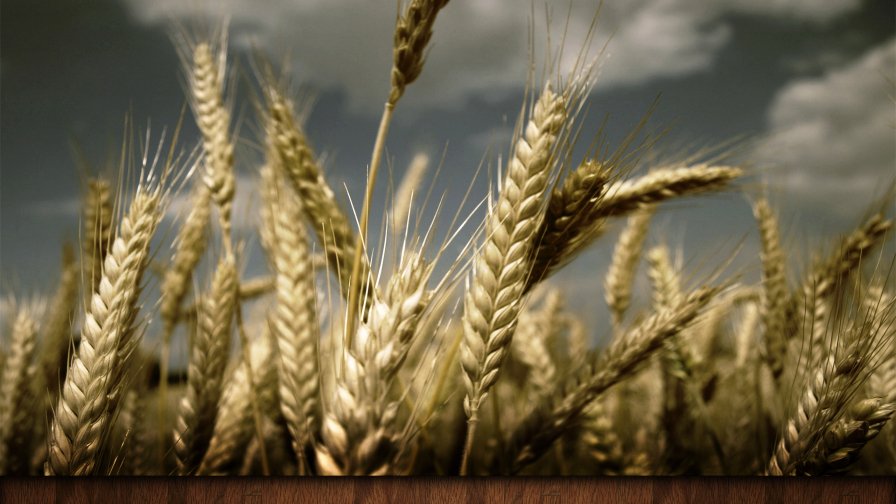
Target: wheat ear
[413,31]
[546,423]
[832,384]
[358,435]
[17,394]
[235,427]
[97,222]
[295,157]
[677,361]
[191,242]
[209,352]
[294,320]
[829,274]
[92,385]
[213,118]
[578,209]
[412,34]
[775,292]
[569,215]
[502,267]
[624,264]
[663,184]
[188,249]
[602,444]
[57,330]
[845,438]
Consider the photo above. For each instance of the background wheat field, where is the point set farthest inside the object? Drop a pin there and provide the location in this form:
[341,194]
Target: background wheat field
[448,238]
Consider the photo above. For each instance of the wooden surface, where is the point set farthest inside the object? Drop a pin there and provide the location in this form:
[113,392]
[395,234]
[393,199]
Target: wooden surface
[449,490]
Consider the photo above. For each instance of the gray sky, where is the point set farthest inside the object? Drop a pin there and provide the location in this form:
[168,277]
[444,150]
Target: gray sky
[807,82]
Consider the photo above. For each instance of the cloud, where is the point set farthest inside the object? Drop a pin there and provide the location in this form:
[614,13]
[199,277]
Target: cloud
[480,47]
[245,205]
[832,137]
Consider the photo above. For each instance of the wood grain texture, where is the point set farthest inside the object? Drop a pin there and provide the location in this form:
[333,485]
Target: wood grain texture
[448,490]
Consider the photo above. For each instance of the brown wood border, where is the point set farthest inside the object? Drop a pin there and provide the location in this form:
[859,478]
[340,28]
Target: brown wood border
[448,490]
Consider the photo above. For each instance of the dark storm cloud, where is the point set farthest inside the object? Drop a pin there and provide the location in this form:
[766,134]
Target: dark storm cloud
[72,70]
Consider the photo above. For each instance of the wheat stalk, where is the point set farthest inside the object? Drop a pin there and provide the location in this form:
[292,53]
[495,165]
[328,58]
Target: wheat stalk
[97,228]
[294,320]
[234,427]
[358,435]
[57,329]
[569,214]
[548,422]
[213,118]
[17,394]
[88,400]
[208,359]
[412,34]
[775,292]
[624,264]
[502,267]
[295,157]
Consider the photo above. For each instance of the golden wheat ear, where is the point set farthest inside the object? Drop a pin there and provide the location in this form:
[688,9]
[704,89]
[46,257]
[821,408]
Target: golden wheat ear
[502,268]
[88,400]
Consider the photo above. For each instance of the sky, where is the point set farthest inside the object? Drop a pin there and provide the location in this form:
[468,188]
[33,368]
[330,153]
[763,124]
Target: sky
[804,89]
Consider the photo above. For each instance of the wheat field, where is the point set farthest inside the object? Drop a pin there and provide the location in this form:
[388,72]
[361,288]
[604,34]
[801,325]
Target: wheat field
[375,348]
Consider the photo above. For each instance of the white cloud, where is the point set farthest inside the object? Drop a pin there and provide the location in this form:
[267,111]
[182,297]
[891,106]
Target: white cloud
[480,47]
[833,136]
